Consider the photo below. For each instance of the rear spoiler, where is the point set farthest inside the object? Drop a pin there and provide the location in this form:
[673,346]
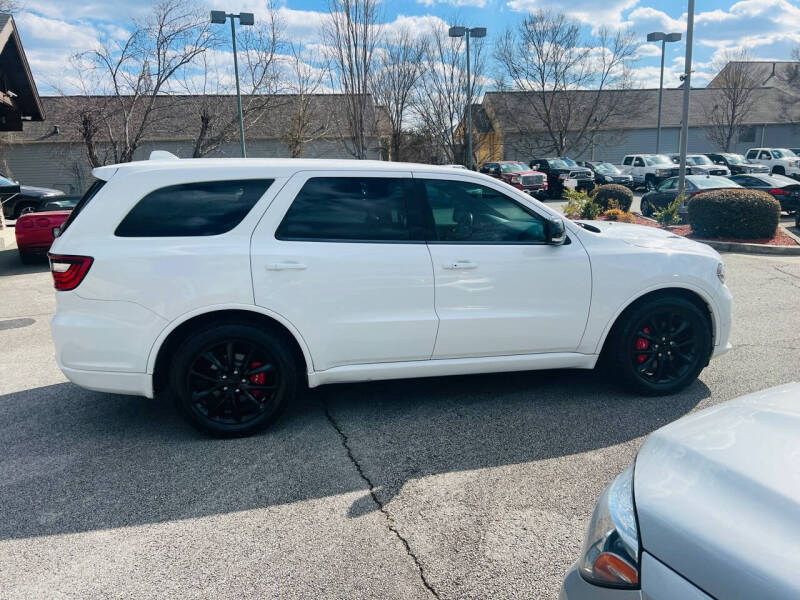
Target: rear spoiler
[105,173]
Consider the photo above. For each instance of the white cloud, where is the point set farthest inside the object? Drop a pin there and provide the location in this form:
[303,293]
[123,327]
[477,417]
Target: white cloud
[459,3]
[592,12]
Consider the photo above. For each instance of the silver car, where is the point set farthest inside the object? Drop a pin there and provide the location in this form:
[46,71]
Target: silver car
[710,509]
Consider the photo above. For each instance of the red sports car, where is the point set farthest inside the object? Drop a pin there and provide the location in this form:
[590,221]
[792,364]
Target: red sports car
[34,232]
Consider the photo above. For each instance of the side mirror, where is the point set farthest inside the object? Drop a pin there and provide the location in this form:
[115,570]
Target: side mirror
[535,166]
[555,231]
[495,170]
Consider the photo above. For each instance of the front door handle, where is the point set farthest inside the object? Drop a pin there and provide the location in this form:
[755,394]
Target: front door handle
[460,264]
[286,266]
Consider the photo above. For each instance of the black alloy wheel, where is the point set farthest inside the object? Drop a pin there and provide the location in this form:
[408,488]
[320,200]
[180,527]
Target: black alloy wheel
[662,345]
[233,380]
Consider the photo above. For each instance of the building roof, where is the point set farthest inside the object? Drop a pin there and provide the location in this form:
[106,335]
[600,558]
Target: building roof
[19,98]
[784,75]
[514,112]
[177,117]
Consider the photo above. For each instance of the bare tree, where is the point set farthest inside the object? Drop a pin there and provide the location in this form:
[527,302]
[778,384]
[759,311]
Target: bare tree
[575,84]
[441,99]
[736,87]
[210,91]
[126,82]
[351,35]
[305,124]
[398,70]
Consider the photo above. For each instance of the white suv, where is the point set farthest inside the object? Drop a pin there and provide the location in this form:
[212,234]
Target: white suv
[232,282]
[781,161]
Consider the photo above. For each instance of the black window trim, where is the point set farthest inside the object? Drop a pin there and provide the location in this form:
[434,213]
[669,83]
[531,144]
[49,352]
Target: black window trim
[413,201]
[430,225]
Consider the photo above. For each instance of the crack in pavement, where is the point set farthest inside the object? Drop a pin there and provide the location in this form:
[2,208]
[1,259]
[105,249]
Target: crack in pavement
[389,521]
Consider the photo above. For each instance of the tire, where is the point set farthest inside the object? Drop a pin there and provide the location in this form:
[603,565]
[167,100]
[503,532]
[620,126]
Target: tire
[778,171]
[238,399]
[28,258]
[647,209]
[23,209]
[686,340]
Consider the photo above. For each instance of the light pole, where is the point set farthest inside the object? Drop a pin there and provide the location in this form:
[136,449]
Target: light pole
[219,17]
[468,32]
[660,36]
[687,90]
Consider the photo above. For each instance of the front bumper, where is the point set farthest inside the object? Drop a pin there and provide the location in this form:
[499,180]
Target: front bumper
[576,587]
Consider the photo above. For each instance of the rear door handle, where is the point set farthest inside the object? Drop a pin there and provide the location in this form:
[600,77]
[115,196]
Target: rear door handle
[460,264]
[286,266]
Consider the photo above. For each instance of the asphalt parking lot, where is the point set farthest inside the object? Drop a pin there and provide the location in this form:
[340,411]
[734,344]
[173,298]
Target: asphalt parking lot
[467,487]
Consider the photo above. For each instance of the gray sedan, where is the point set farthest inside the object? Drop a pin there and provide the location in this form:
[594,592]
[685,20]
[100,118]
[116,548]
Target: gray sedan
[710,509]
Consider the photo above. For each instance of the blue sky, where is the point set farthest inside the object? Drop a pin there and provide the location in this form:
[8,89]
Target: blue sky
[52,30]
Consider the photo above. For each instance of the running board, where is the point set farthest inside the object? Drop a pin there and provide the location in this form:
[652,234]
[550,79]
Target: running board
[452,366]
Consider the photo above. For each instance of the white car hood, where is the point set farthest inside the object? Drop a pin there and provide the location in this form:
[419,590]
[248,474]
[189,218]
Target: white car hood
[650,237]
[718,496]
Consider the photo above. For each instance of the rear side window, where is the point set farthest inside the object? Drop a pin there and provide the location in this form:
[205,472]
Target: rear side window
[193,209]
[352,209]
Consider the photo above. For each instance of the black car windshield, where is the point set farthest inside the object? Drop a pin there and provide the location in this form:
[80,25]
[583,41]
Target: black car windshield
[657,159]
[713,182]
[558,163]
[513,167]
[735,159]
[570,162]
[607,169]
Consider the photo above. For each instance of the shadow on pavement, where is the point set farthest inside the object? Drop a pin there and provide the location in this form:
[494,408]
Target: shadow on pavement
[10,264]
[78,461]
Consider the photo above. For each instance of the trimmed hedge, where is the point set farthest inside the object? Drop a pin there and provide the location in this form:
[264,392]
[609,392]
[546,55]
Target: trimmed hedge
[605,193]
[735,213]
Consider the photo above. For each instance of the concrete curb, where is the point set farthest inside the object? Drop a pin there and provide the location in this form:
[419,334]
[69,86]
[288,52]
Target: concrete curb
[746,248]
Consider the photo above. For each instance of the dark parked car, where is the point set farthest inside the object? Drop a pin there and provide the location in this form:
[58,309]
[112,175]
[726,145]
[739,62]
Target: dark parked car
[784,189]
[605,172]
[668,190]
[519,175]
[736,163]
[560,169]
[20,199]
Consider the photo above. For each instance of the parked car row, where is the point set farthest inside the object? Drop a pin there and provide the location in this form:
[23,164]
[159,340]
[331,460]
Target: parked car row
[20,199]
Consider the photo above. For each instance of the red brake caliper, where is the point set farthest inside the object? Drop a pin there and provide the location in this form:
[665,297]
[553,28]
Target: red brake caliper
[642,344]
[258,378]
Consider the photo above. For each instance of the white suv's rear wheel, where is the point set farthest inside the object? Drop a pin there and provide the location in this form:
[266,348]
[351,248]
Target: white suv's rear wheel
[232,379]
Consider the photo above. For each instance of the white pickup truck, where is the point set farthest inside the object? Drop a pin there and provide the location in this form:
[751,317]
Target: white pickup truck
[648,169]
[781,161]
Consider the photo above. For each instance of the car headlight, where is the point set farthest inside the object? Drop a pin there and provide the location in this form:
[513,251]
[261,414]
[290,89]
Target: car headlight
[515,179]
[611,551]
[721,271]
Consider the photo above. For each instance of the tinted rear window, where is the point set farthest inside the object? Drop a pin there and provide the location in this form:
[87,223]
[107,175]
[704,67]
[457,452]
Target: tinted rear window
[351,209]
[193,209]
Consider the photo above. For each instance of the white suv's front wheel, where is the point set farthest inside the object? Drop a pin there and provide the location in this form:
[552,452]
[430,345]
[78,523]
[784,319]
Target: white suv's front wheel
[232,379]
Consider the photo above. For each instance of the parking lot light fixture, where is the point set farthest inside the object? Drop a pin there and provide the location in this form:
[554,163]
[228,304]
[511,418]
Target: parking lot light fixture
[218,17]
[468,32]
[660,36]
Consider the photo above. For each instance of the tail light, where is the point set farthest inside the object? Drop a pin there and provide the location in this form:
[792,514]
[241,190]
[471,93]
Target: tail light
[68,271]
[779,192]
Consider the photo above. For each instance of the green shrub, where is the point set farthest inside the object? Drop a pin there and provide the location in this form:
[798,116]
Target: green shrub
[580,205]
[616,193]
[669,214]
[737,213]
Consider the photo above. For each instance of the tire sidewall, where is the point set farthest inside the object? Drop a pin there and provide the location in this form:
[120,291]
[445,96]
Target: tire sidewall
[199,341]
[625,335]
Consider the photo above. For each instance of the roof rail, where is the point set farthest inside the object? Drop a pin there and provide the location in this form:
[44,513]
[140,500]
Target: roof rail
[162,155]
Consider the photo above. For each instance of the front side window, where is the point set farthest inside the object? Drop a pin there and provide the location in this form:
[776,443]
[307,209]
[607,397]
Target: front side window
[351,209]
[766,156]
[193,209]
[469,213]
[638,162]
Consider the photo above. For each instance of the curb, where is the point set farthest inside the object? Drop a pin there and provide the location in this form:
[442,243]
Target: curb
[746,248]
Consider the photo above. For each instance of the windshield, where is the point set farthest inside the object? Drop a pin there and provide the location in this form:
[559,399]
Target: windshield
[657,159]
[735,159]
[698,160]
[514,167]
[713,182]
[607,169]
[570,162]
[781,152]
[558,163]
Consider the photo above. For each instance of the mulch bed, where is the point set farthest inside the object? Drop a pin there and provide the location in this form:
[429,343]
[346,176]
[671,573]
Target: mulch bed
[780,238]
